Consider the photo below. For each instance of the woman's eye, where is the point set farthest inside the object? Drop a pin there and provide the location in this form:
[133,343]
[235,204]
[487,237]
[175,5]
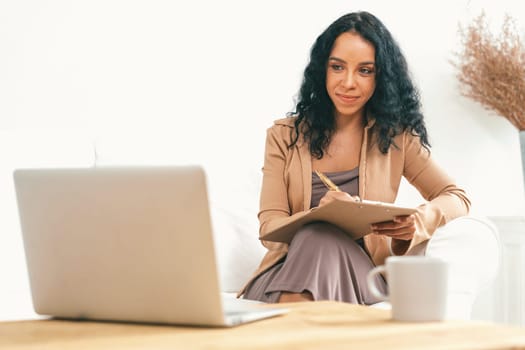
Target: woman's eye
[336,67]
[366,70]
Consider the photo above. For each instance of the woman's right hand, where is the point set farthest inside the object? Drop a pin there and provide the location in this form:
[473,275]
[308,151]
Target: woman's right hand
[332,195]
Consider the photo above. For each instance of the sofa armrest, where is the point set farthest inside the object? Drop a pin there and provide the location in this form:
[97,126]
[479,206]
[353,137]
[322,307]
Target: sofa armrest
[471,247]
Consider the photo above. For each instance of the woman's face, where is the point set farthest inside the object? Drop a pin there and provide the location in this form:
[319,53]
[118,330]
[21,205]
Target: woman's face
[350,75]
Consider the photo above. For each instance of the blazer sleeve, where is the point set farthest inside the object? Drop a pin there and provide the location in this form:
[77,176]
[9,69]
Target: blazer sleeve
[274,201]
[445,201]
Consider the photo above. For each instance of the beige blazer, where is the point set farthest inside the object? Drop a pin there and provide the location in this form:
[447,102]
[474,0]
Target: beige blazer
[287,188]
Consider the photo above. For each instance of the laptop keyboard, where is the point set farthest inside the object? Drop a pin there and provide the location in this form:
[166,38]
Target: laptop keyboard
[234,306]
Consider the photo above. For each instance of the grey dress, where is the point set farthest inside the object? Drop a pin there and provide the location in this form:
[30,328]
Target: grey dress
[321,259]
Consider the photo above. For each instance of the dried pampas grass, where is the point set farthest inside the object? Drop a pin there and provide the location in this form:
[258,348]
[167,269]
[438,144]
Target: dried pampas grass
[491,69]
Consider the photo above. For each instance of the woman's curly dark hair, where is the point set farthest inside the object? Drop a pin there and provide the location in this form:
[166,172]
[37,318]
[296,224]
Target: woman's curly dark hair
[395,104]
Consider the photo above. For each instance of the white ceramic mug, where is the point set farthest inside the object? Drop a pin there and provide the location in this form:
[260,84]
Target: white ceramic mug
[417,287]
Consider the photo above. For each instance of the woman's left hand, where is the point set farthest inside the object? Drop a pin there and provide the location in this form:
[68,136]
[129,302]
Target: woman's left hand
[402,227]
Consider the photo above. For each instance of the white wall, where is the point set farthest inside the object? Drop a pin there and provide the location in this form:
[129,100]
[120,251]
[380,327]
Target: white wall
[199,81]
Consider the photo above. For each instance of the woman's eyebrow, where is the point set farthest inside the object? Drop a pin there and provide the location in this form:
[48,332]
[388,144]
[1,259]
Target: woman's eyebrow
[337,59]
[332,58]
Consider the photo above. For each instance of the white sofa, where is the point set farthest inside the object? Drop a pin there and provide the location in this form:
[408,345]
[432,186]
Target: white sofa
[469,244]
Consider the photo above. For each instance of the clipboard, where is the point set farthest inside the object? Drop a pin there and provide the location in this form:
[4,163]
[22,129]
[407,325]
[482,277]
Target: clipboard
[354,218]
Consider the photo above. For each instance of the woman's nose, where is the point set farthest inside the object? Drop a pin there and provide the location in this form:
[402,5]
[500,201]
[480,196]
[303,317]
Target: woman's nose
[348,80]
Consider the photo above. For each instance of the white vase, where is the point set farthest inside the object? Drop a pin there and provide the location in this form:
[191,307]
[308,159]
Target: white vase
[522,147]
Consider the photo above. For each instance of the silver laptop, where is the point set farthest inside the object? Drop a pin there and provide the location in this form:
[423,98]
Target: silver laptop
[125,244]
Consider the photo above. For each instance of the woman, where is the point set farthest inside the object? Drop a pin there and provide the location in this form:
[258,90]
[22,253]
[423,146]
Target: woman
[358,121]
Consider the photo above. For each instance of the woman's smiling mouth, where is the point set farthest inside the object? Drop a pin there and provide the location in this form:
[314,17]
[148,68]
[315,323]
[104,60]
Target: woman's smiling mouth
[347,98]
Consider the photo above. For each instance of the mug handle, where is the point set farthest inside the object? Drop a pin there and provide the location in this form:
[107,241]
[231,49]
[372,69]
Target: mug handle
[371,283]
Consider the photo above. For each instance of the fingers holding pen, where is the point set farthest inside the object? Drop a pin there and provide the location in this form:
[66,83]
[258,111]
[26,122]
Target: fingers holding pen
[332,195]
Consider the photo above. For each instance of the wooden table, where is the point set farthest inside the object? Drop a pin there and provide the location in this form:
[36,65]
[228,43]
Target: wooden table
[319,325]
